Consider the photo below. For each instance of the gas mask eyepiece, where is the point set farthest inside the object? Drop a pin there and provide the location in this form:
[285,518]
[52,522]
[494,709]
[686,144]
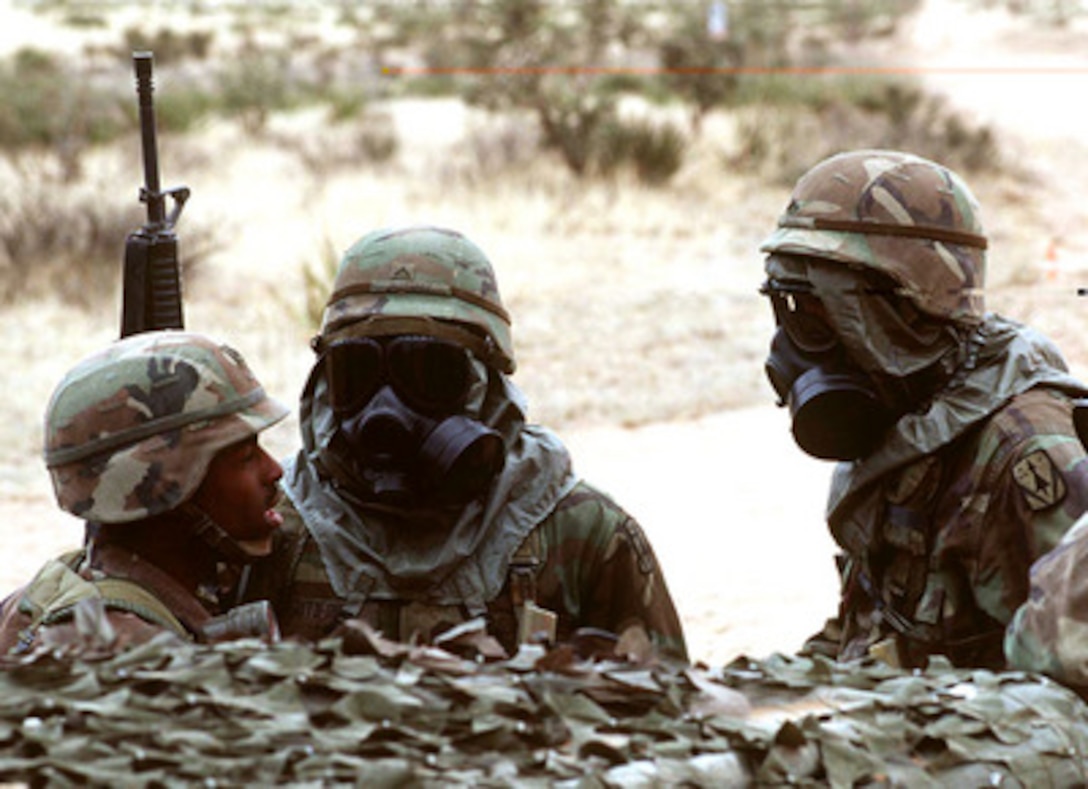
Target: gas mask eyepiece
[430,375]
[801,314]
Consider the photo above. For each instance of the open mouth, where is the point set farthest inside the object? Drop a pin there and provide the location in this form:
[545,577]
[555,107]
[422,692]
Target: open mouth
[272,518]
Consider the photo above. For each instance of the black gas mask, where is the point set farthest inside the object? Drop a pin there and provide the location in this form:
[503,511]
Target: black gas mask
[837,411]
[400,402]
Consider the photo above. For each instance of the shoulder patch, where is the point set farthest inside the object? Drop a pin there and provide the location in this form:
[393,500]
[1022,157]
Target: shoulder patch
[1039,480]
[641,547]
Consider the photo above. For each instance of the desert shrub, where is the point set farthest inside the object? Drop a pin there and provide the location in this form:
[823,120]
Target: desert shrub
[85,19]
[582,124]
[376,137]
[262,80]
[369,139]
[654,150]
[254,84]
[803,120]
[50,105]
[572,121]
[698,67]
[169,46]
[569,111]
[345,104]
[182,108]
[928,125]
[532,55]
[500,149]
[1057,13]
[554,59]
[503,144]
[56,236]
[63,238]
[657,151]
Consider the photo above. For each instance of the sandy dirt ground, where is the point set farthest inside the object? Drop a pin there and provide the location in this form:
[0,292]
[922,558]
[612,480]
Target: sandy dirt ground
[733,509]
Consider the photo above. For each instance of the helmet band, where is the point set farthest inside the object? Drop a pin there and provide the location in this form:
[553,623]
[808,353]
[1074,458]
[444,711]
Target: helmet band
[424,288]
[882,229]
[62,456]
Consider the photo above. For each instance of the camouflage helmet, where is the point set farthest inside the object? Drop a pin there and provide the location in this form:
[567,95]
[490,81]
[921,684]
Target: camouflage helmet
[131,429]
[897,213]
[420,280]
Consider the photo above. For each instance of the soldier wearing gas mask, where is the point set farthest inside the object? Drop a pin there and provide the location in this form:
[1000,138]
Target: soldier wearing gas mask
[422,498]
[958,459]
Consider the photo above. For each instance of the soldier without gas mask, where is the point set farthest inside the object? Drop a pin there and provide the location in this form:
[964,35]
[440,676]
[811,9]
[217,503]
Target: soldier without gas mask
[958,460]
[422,498]
[153,440]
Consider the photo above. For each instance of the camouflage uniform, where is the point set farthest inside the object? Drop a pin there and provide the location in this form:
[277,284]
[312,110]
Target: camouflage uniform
[136,600]
[939,523]
[1048,633]
[130,432]
[538,535]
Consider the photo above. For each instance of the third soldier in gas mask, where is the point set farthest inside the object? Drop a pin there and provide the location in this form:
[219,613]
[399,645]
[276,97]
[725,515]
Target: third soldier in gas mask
[422,498]
[958,459]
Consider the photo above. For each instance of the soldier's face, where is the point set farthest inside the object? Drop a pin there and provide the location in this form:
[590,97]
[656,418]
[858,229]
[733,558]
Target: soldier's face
[239,493]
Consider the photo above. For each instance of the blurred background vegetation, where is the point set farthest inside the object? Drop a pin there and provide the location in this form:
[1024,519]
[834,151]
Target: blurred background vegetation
[606,88]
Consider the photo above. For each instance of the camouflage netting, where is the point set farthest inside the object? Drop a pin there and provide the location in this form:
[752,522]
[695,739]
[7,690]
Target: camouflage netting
[363,711]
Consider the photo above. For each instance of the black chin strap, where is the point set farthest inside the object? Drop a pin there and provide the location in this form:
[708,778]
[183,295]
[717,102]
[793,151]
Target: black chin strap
[214,536]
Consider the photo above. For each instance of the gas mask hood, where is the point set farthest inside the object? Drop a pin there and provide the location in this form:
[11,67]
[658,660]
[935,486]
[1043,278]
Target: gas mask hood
[844,359]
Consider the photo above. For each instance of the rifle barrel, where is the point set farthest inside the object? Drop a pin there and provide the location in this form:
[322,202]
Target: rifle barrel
[153,196]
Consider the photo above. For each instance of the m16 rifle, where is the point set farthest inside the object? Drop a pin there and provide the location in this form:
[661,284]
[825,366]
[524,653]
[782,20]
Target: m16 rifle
[152,280]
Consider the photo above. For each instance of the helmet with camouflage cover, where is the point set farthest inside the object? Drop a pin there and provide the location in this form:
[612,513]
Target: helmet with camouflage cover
[131,429]
[904,216]
[420,280]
